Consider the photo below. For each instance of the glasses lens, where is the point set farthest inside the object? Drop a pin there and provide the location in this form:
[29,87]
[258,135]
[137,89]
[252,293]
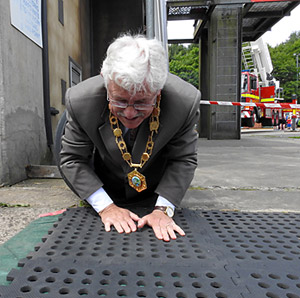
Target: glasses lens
[118,104]
[142,107]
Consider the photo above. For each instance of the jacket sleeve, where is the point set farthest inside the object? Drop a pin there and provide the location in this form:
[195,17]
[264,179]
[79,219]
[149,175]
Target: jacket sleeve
[76,157]
[181,156]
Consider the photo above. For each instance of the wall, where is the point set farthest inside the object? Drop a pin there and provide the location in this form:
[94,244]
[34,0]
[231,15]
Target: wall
[109,19]
[70,39]
[22,133]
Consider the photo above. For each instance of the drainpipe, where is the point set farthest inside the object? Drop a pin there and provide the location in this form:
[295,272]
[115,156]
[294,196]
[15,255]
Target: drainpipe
[150,19]
[46,86]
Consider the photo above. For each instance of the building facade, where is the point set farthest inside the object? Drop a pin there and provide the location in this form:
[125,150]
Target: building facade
[34,77]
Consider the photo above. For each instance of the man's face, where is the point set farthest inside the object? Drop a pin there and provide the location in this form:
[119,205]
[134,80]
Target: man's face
[129,116]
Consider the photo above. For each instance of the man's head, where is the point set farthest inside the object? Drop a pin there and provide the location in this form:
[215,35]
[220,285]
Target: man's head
[134,72]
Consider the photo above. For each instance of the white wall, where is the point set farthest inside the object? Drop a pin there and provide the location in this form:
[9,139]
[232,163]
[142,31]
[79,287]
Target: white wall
[22,128]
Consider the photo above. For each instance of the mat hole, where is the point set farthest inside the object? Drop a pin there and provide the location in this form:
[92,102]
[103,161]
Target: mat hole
[123,283]
[157,274]
[210,275]
[274,276]
[83,292]
[215,285]
[64,291]
[178,284]
[141,283]
[89,272]
[123,273]
[140,273]
[68,280]
[104,282]
[102,293]
[141,294]
[38,269]
[32,278]
[122,293]
[72,271]
[181,295]
[25,289]
[50,279]
[255,275]
[161,295]
[256,257]
[86,281]
[193,275]
[293,277]
[290,295]
[263,285]
[201,295]
[282,286]
[175,274]
[272,295]
[196,285]
[221,295]
[45,290]
[106,272]
[272,258]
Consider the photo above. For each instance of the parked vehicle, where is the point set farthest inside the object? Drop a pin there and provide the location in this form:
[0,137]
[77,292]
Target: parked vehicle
[259,86]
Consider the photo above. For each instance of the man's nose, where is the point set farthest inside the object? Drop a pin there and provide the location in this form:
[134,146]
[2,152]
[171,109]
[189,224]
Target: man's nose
[130,112]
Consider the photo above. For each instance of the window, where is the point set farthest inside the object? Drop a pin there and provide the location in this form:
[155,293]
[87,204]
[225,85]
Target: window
[75,72]
[61,11]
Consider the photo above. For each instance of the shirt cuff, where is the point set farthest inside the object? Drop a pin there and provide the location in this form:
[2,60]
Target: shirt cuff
[161,201]
[99,200]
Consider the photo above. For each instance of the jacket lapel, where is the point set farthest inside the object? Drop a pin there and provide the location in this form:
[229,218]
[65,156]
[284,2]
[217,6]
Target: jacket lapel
[109,141]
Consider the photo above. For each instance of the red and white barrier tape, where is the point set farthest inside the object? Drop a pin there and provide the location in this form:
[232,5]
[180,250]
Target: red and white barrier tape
[252,104]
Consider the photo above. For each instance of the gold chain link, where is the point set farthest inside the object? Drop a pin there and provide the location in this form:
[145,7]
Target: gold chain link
[153,126]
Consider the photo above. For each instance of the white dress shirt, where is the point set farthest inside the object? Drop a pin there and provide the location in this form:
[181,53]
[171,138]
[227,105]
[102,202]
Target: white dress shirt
[99,200]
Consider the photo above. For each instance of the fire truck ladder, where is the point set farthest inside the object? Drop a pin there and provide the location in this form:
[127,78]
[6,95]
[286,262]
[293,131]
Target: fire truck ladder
[247,57]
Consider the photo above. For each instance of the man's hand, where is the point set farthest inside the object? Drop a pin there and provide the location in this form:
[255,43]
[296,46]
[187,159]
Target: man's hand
[163,226]
[122,219]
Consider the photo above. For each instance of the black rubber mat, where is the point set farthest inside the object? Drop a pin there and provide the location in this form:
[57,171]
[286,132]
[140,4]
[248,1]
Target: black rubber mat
[224,254]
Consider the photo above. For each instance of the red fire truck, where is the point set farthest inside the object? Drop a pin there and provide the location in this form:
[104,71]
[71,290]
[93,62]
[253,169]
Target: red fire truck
[252,92]
[258,86]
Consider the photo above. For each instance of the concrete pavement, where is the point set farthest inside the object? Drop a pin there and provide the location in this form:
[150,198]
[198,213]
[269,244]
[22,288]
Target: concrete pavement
[260,172]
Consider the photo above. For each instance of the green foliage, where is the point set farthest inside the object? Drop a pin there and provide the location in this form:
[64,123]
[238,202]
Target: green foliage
[184,62]
[285,65]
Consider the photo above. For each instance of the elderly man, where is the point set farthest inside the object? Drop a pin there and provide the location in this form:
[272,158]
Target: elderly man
[130,138]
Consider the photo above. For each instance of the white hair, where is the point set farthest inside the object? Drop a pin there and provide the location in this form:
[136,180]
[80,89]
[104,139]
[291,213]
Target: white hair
[136,64]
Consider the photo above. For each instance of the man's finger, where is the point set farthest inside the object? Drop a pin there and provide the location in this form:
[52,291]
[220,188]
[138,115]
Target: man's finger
[179,230]
[165,234]
[118,227]
[128,226]
[157,232]
[134,216]
[107,226]
[171,232]
[142,222]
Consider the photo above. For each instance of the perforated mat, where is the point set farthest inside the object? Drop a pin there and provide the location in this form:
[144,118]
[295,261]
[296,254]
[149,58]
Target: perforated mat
[224,254]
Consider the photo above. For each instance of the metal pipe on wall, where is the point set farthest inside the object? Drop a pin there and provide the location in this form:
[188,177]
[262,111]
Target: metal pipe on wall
[149,19]
[46,86]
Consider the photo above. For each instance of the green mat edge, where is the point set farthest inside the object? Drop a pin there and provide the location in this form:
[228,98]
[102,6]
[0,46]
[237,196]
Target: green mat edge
[18,247]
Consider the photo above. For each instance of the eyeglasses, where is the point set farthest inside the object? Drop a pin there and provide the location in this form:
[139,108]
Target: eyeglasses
[124,105]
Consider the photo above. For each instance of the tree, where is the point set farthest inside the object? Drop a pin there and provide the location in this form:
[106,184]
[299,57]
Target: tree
[184,62]
[284,64]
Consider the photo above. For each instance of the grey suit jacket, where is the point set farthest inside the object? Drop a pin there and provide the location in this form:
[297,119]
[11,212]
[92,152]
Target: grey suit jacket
[88,137]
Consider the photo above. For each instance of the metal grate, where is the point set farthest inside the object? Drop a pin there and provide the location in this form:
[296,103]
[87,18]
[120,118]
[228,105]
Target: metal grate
[224,254]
